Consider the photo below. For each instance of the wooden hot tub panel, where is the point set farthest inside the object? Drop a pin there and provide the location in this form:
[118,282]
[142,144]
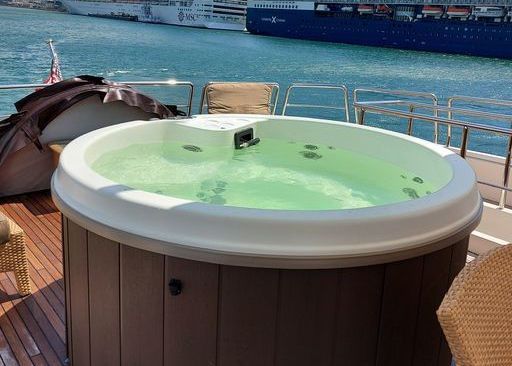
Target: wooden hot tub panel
[121,309]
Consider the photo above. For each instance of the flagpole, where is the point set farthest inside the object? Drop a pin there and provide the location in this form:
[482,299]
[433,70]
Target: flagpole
[55,73]
[52,50]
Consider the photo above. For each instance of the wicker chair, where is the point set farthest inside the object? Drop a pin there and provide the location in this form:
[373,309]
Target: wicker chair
[13,255]
[476,314]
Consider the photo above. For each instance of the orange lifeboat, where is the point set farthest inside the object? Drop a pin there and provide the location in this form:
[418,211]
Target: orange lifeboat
[458,11]
[431,10]
[383,9]
[365,9]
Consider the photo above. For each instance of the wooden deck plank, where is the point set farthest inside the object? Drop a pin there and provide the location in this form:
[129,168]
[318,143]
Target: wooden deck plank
[35,244]
[46,215]
[42,341]
[11,336]
[39,360]
[6,354]
[42,250]
[32,329]
[21,329]
[43,224]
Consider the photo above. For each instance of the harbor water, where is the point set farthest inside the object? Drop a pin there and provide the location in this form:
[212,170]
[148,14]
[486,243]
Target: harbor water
[122,50]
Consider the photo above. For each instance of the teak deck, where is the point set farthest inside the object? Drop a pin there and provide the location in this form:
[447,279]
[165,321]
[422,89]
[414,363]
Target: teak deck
[32,329]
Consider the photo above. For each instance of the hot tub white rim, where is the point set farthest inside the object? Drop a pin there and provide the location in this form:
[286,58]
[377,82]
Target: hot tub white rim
[284,217]
[80,167]
[268,260]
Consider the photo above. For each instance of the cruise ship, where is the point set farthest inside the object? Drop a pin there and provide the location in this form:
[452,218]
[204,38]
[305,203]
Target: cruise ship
[458,26]
[215,14]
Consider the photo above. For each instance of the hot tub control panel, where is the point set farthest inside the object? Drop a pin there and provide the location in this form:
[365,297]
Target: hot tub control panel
[221,123]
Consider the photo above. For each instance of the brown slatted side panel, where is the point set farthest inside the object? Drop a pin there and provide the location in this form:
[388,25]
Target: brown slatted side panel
[142,302]
[309,296]
[247,313]
[458,262]
[436,270]
[104,300]
[79,298]
[66,285]
[400,299]
[359,294]
[190,328]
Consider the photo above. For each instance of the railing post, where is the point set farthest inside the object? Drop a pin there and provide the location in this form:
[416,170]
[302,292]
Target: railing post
[275,88]
[464,143]
[449,127]
[436,124]
[410,121]
[190,98]
[506,174]
[359,115]
[286,97]
[345,102]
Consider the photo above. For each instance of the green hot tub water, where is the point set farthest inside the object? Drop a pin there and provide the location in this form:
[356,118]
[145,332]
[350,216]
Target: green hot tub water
[274,174]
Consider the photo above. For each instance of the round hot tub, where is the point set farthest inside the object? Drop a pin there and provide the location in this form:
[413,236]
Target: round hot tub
[255,240]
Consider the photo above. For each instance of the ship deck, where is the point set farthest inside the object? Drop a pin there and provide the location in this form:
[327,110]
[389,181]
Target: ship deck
[32,329]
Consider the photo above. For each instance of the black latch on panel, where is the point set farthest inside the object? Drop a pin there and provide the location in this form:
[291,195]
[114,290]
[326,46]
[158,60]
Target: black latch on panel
[245,138]
[175,286]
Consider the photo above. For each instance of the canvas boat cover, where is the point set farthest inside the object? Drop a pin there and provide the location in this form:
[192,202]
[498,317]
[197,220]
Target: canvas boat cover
[22,150]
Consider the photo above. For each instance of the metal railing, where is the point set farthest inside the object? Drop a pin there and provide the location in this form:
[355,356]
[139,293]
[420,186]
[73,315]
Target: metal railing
[274,97]
[169,83]
[362,108]
[295,86]
[485,102]
[398,93]
[405,100]
[165,83]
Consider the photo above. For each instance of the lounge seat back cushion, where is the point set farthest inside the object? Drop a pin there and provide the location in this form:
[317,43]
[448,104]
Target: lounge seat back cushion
[4,229]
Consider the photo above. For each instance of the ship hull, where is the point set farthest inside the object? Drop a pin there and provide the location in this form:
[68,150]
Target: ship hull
[198,15]
[436,35]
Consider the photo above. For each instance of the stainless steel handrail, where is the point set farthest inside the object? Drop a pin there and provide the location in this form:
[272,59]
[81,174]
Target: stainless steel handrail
[403,93]
[165,83]
[274,97]
[441,108]
[484,102]
[466,126]
[169,83]
[341,87]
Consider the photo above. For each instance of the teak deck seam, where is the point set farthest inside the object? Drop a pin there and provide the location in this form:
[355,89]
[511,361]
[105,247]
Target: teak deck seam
[32,329]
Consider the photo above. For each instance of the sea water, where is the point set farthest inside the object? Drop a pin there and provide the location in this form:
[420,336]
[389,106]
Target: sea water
[273,174]
[120,50]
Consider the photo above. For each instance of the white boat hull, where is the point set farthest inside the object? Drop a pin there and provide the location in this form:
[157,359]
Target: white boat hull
[198,14]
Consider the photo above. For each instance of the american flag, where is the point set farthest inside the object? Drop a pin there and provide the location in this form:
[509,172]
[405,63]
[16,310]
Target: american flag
[55,73]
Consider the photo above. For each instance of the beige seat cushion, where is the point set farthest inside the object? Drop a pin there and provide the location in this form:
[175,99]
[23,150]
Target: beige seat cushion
[243,98]
[56,147]
[4,229]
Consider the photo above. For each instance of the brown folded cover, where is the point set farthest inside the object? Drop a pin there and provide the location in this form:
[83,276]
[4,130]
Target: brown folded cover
[38,109]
